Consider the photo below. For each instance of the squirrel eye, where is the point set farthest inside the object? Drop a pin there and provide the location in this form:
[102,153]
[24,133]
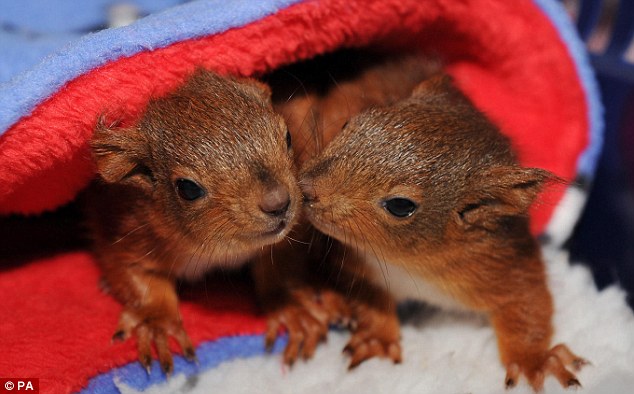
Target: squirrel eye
[288,139]
[400,207]
[188,190]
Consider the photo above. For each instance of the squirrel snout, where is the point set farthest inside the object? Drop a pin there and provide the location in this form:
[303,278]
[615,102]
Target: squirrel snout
[275,201]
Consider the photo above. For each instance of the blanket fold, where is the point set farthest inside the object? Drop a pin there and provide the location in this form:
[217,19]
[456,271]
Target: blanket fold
[520,62]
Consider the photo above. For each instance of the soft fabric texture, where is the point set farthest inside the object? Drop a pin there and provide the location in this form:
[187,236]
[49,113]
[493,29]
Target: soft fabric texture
[517,71]
[57,324]
[519,61]
[444,353]
[33,29]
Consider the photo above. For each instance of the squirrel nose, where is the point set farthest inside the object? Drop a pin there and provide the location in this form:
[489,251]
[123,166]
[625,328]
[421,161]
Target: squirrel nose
[275,201]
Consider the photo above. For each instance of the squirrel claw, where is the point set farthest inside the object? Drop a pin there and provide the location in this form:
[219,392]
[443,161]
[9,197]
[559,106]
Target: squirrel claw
[367,349]
[376,334]
[190,355]
[579,363]
[554,362]
[347,350]
[167,368]
[154,331]
[574,383]
[119,336]
[306,318]
[146,362]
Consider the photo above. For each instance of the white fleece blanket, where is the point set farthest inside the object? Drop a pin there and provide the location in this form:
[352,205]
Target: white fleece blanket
[448,353]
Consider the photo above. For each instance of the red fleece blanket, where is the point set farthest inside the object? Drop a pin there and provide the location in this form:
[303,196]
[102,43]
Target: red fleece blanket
[510,57]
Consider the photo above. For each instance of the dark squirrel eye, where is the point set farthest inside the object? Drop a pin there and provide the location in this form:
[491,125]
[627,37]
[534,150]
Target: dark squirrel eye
[400,207]
[288,139]
[188,190]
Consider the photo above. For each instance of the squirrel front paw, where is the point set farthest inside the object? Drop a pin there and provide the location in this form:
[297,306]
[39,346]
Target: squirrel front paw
[152,327]
[306,314]
[375,333]
[536,367]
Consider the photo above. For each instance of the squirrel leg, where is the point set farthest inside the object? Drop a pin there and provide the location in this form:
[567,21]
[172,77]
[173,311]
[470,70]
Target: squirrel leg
[375,328]
[375,331]
[524,332]
[150,313]
[295,299]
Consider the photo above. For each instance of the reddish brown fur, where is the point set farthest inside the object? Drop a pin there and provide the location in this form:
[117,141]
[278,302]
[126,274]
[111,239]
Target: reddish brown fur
[219,132]
[293,290]
[469,236]
[316,98]
[319,96]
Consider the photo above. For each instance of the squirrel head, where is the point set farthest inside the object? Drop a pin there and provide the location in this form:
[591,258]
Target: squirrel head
[407,178]
[210,161]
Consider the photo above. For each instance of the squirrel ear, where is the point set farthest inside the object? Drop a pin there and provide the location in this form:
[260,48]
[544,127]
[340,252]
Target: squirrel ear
[119,153]
[255,88]
[202,79]
[502,192]
[439,83]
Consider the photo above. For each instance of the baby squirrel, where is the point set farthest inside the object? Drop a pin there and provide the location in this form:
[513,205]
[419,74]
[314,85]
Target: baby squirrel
[429,191]
[316,97]
[205,179]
